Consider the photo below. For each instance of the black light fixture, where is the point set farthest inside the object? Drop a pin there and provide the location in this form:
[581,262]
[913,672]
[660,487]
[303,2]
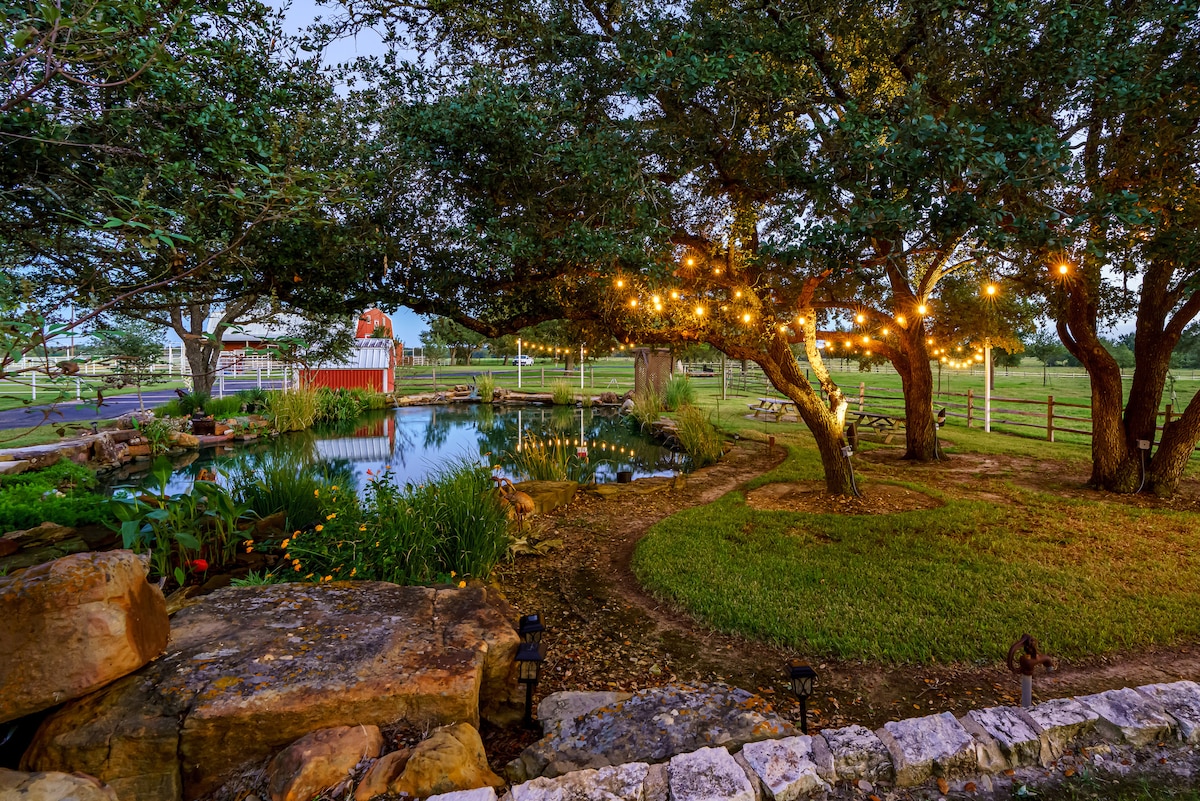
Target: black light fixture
[530,628]
[802,676]
[530,656]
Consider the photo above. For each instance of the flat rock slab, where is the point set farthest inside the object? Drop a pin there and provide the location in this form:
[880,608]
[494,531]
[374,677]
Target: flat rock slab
[708,774]
[785,766]
[549,495]
[558,711]
[616,783]
[652,726]
[250,669]
[480,794]
[16,786]
[1007,738]
[1062,720]
[1181,700]
[858,754]
[1129,716]
[935,745]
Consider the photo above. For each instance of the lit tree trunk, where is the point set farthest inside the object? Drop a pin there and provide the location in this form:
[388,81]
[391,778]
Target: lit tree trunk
[911,361]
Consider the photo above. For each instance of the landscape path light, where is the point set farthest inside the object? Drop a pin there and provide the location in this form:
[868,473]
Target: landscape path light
[530,656]
[802,677]
[530,627]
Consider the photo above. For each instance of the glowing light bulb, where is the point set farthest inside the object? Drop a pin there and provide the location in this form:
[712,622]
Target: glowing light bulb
[885,332]
[922,309]
[716,270]
[745,318]
[929,341]
[901,321]
[674,295]
[699,311]
[691,262]
[737,294]
[633,303]
[620,283]
[800,321]
[849,344]
[783,329]
[860,318]
[866,340]
[1064,268]
[991,289]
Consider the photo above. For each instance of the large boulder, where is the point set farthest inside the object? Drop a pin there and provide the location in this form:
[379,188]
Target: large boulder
[251,669]
[73,625]
[451,759]
[652,726]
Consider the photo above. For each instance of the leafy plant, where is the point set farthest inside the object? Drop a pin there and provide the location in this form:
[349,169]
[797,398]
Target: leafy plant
[678,393]
[282,480]
[293,410]
[228,406]
[698,436]
[189,402]
[562,393]
[256,579]
[337,406]
[158,433]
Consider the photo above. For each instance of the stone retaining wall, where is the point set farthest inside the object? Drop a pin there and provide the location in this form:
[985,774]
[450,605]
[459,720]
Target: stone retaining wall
[987,751]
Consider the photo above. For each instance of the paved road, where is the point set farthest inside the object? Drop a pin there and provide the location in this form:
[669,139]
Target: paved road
[72,411]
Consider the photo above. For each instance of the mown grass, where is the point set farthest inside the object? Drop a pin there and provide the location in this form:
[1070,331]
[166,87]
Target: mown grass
[959,582]
[1091,787]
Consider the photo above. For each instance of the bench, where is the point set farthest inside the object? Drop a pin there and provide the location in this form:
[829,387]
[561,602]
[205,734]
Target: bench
[775,406]
[883,424]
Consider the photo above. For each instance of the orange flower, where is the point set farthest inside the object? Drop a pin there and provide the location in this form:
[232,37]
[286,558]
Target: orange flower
[328,578]
[331,516]
[334,488]
[284,544]
[316,493]
[363,527]
[320,528]
[353,570]
[296,568]
[462,584]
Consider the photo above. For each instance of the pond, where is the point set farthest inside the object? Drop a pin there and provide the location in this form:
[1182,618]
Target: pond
[418,441]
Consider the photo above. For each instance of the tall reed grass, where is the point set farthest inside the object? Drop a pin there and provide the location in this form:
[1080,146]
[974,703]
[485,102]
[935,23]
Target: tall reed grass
[293,409]
[647,405]
[678,392]
[282,480]
[698,436]
[562,393]
[337,406]
[487,388]
[552,460]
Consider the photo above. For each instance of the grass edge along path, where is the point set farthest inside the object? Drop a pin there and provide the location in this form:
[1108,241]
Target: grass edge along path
[955,583]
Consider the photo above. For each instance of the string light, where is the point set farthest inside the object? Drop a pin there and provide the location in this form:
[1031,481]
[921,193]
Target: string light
[885,332]
[699,311]
[800,321]
[620,284]
[1064,268]
[691,262]
[901,321]
[633,303]
[860,318]
[737,294]
[674,295]
[922,309]
[991,290]
[746,318]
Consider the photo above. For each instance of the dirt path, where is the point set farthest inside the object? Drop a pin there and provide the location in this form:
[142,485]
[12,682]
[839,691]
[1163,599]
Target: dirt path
[607,633]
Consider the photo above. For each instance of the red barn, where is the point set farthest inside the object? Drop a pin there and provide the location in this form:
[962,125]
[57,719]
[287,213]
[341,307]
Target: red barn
[371,363]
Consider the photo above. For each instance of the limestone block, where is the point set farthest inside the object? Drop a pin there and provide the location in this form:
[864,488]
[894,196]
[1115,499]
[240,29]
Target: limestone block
[480,794]
[52,786]
[1181,700]
[822,758]
[73,625]
[785,767]
[12,467]
[657,785]
[934,745]
[615,783]
[858,754]
[1129,716]
[1062,720]
[1006,737]
[709,774]
[320,760]
[562,708]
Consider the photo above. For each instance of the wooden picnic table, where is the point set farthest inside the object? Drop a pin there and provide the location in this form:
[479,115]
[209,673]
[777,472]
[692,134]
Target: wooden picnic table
[884,424]
[775,406]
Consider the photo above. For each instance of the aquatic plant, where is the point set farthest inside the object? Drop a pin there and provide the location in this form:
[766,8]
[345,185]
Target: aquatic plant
[698,436]
[647,405]
[678,393]
[61,493]
[292,410]
[562,393]
[282,480]
[486,385]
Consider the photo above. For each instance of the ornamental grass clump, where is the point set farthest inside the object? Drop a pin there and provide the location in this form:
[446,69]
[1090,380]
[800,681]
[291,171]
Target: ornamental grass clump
[678,392]
[449,528]
[281,480]
[552,460]
[647,405]
[487,388]
[337,406]
[293,409]
[562,393]
[698,436]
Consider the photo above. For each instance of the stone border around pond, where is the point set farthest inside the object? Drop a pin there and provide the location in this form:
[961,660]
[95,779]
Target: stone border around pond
[989,751]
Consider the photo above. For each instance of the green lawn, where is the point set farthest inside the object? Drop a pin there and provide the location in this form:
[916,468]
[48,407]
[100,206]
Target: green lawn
[959,582]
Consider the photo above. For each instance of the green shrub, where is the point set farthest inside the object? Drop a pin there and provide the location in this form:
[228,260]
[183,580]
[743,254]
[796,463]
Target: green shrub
[226,407]
[679,392]
[699,437]
[189,402]
[647,405]
[454,526]
[293,409]
[487,388]
[369,401]
[562,393]
[62,493]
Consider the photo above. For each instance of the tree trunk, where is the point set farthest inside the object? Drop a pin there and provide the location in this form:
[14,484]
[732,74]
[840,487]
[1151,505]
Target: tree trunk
[911,361]
[1179,440]
[825,421]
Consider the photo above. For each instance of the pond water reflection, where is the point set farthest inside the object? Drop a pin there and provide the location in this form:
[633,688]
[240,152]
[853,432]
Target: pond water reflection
[418,441]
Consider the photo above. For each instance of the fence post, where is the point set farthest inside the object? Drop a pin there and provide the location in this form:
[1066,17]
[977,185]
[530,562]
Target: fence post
[33,385]
[970,405]
[862,394]
[543,384]
[1050,418]
[1167,416]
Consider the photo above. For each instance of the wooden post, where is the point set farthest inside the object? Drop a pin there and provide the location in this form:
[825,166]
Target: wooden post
[862,394]
[543,378]
[1050,418]
[1167,416]
[970,405]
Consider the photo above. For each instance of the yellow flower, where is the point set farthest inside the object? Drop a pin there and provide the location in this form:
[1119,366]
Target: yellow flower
[452,574]
[316,493]
[249,548]
[462,584]
[377,543]
[330,517]
[353,570]
[320,528]
[284,544]
[296,568]
[328,578]
[310,575]
[362,527]
[287,556]
[296,533]
[248,542]
[334,488]
[336,569]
